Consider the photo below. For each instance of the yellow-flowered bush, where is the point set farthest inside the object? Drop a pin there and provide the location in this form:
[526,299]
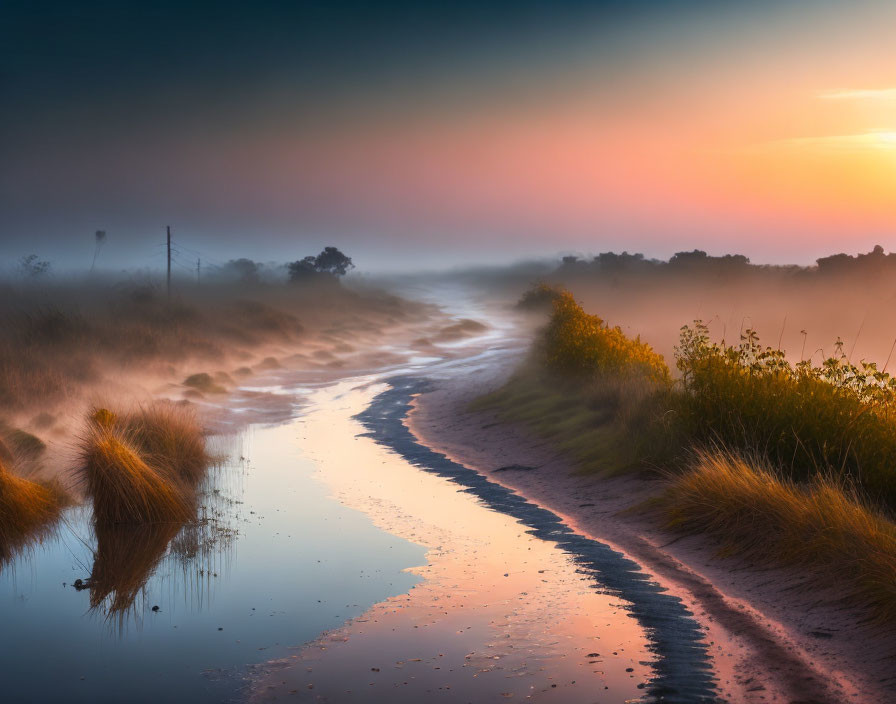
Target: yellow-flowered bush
[582,345]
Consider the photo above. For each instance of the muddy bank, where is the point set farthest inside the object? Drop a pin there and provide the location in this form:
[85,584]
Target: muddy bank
[773,638]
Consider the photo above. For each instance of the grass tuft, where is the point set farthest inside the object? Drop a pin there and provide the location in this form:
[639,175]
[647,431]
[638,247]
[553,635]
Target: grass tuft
[758,513]
[27,508]
[169,437]
[143,466]
[835,418]
[582,346]
[124,488]
[205,383]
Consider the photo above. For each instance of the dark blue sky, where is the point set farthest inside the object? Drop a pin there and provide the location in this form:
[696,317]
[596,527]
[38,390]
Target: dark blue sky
[222,117]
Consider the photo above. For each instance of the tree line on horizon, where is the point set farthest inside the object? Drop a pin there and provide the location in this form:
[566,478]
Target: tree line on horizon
[698,261]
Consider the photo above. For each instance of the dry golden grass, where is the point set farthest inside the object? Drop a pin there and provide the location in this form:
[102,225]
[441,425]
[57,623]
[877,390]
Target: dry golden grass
[143,466]
[59,339]
[169,438]
[821,526]
[606,426]
[27,509]
[124,488]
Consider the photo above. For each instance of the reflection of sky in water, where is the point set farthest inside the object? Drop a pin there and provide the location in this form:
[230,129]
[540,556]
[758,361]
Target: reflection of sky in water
[300,564]
[499,612]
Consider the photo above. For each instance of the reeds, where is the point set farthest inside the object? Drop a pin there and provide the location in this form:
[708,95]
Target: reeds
[124,488]
[169,437]
[760,514]
[27,509]
[143,466]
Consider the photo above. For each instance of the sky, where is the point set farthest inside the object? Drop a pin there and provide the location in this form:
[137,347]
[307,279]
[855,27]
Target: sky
[437,134]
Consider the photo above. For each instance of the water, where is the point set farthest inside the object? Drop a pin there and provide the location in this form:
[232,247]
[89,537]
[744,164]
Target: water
[341,561]
[300,563]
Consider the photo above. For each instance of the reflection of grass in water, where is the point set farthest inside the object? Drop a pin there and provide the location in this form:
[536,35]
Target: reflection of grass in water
[125,558]
[191,553]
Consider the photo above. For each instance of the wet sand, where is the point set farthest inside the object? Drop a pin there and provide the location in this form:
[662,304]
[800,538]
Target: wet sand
[774,639]
[500,612]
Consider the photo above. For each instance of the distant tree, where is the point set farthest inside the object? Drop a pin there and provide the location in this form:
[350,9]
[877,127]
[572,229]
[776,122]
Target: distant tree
[302,269]
[874,261]
[32,267]
[834,262]
[330,261]
[243,269]
[610,261]
[698,256]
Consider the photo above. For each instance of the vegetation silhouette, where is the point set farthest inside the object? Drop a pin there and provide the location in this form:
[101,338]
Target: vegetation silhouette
[330,262]
[699,262]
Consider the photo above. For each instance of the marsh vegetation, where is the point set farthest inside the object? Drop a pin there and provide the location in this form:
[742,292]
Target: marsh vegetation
[799,458]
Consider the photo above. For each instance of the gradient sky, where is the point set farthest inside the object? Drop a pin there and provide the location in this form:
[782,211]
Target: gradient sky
[446,133]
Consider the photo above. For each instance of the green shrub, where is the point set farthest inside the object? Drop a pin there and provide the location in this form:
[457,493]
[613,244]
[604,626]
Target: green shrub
[837,418]
[579,345]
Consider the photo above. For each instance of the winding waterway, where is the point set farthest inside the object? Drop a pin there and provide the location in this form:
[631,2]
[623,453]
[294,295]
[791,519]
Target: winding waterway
[342,560]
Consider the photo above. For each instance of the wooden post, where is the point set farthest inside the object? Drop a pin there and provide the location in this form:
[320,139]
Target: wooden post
[168,229]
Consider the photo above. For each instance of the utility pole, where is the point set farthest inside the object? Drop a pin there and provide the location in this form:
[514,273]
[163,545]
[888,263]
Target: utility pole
[198,269]
[168,229]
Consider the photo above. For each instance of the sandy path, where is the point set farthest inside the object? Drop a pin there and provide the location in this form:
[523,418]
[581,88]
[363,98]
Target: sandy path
[774,638]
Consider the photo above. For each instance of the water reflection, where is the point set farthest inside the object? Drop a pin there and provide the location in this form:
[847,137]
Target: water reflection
[192,553]
[125,558]
[499,612]
[271,560]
